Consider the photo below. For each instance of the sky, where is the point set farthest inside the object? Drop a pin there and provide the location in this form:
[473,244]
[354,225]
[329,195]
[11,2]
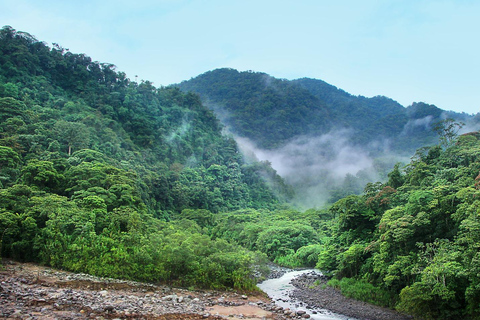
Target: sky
[407,50]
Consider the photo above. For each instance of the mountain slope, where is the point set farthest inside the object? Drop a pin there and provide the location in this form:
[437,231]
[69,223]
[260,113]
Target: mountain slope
[255,105]
[272,112]
[99,174]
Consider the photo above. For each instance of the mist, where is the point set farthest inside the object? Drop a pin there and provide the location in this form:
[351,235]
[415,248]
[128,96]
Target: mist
[328,167]
[318,167]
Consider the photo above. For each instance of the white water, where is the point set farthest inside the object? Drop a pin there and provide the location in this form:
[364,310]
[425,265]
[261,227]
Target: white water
[278,290]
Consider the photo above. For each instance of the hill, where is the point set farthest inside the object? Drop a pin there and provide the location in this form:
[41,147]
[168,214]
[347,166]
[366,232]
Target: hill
[322,140]
[413,242]
[271,112]
[98,173]
[257,106]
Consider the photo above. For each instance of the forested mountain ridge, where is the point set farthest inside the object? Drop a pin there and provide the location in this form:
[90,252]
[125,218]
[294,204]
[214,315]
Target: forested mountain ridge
[97,172]
[255,104]
[57,102]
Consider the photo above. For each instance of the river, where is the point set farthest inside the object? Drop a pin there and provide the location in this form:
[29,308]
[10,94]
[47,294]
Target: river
[279,289]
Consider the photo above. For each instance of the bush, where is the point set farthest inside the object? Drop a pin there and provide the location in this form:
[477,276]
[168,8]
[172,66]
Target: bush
[363,291]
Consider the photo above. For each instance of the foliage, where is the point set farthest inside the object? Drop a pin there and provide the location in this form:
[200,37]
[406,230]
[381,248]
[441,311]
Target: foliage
[362,290]
[448,129]
[288,237]
[103,175]
[416,237]
[99,173]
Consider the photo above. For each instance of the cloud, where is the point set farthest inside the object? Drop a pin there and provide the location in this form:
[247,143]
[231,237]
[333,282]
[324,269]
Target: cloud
[415,124]
[315,165]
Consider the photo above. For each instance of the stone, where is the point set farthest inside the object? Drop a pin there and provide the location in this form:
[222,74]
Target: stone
[109,308]
[172,297]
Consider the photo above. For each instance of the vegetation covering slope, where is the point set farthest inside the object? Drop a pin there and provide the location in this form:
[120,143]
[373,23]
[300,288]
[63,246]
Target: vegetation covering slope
[94,168]
[257,106]
[102,175]
[413,242]
[271,111]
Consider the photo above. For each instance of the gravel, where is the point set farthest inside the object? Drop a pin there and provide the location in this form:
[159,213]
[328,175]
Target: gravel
[29,291]
[312,290]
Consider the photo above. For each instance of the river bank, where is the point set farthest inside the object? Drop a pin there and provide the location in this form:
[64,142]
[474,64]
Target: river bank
[311,289]
[30,291]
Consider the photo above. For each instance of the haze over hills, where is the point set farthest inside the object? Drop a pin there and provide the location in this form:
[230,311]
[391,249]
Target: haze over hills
[321,139]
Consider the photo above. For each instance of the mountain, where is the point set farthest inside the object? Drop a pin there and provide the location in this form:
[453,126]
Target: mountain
[271,112]
[103,175]
[255,105]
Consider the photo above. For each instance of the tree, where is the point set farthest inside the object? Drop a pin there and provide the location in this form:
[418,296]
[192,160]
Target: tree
[395,177]
[9,163]
[448,131]
[42,174]
[74,134]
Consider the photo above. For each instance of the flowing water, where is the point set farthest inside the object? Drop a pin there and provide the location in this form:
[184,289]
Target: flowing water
[279,289]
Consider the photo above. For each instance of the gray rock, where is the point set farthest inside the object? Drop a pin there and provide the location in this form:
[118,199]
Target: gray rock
[172,297]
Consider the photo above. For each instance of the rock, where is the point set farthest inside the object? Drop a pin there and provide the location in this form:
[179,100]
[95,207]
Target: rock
[244,297]
[109,309]
[172,297]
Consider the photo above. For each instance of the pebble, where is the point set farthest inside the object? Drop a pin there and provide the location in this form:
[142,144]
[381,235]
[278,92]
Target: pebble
[72,296]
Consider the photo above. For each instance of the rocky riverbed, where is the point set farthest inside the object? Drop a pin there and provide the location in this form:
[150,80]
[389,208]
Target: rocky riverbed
[29,291]
[311,289]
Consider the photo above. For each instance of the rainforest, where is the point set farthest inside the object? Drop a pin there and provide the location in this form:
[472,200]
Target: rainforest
[104,175]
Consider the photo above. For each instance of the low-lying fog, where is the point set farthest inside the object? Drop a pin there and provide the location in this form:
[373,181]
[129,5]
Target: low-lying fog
[323,168]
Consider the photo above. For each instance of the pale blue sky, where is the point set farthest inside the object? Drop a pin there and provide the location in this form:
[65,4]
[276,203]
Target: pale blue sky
[408,50]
